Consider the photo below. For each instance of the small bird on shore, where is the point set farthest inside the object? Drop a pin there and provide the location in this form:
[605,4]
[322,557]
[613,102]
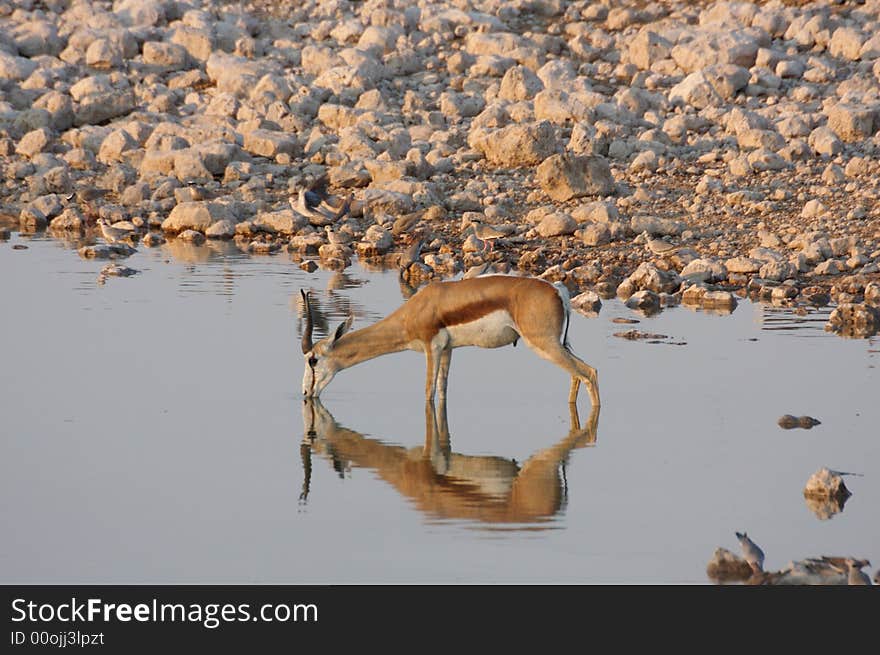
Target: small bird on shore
[486,233]
[751,552]
[344,208]
[406,222]
[336,238]
[87,195]
[659,247]
[312,201]
[486,268]
[112,234]
[855,574]
[411,254]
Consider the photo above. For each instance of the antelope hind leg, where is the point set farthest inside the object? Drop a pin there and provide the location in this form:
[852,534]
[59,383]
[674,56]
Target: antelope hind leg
[443,373]
[579,370]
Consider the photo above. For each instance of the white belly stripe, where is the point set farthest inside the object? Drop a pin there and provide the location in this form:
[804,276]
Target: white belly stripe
[490,331]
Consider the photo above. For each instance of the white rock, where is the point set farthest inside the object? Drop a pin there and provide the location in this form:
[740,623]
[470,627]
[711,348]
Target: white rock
[519,83]
[716,47]
[564,177]
[595,234]
[268,143]
[103,53]
[696,91]
[852,122]
[778,271]
[114,145]
[743,265]
[587,303]
[515,145]
[704,270]
[824,141]
[36,37]
[846,42]
[168,55]
[34,142]
[560,107]
[198,42]
[139,13]
[15,68]
[556,224]
[460,105]
[644,161]
[826,483]
[647,48]
[790,68]
[598,211]
[196,215]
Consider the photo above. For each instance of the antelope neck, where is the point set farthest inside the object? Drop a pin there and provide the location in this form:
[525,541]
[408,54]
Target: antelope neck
[385,336]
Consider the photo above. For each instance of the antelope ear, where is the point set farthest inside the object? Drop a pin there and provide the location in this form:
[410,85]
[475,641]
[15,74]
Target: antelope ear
[342,329]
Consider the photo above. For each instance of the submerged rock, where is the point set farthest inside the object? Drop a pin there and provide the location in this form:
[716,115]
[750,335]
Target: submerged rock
[726,566]
[826,483]
[116,270]
[153,239]
[644,300]
[587,303]
[854,319]
[787,422]
[106,251]
[638,335]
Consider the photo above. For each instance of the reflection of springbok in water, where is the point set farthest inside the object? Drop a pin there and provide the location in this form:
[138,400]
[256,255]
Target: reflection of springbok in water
[449,485]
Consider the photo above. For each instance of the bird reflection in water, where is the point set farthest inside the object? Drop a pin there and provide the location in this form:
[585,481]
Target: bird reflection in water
[444,484]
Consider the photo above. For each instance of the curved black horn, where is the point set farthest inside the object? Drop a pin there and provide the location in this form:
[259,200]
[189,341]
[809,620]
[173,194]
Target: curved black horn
[307,332]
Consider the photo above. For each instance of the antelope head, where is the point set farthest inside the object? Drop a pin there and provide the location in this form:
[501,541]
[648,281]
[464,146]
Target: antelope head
[320,365]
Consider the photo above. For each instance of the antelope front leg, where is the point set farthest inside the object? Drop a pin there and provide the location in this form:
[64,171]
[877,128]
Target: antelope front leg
[437,449]
[432,364]
[434,356]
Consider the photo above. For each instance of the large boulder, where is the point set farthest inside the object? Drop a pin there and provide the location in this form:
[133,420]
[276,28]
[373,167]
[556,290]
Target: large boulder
[196,215]
[515,145]
[648,48]
[852,122]
[563,177]
[519,83]
[716,47]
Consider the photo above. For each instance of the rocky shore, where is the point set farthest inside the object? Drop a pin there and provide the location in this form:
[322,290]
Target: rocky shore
[663,152]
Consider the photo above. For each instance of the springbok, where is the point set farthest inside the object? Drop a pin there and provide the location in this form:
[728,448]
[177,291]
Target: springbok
[445,484]
[488,311]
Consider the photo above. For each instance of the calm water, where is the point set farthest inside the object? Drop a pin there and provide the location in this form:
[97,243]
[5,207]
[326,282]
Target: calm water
[153,431]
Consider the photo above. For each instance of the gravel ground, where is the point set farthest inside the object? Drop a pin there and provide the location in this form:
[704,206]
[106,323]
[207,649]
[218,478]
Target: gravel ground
[662,152]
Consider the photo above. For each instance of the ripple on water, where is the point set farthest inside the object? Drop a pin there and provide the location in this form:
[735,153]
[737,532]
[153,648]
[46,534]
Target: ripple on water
[810,324]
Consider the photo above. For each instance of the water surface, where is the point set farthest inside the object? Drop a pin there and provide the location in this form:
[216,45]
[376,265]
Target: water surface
[153,431]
